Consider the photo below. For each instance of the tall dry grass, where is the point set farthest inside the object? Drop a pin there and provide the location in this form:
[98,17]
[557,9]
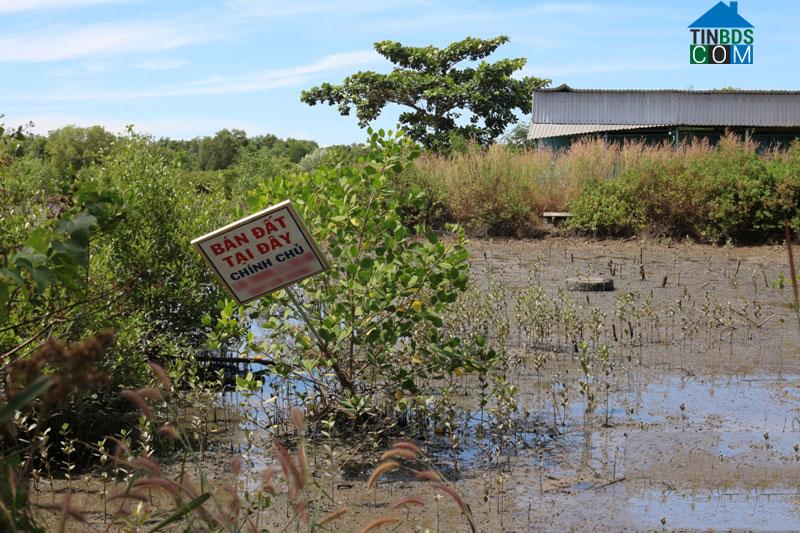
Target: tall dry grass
[693,189]
[509,189]
[499,187]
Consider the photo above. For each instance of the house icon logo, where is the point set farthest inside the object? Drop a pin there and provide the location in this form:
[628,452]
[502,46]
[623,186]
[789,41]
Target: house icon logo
[722,37]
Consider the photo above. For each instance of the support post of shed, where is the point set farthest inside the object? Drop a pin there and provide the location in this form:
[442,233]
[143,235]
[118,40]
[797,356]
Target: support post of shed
[677,137]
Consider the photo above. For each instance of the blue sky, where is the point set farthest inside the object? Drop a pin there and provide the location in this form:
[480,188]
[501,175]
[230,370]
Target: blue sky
[183,68]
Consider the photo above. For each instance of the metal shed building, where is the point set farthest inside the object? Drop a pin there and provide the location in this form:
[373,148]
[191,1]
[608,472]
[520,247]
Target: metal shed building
[562,114]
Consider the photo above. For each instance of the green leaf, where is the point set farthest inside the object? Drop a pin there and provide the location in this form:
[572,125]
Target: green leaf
[29,258]
[29,394]
[182,511]
[4,294]
[77,228]
[74,250]
[43,277]
[12,275]
[39,240]
[81,222]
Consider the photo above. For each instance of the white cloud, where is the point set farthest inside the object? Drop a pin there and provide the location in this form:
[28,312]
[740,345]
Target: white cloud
[61,43]
[216,85]
[84,68]
[282,8]
[257,82]
[10,6]
[161,63]
[558,18]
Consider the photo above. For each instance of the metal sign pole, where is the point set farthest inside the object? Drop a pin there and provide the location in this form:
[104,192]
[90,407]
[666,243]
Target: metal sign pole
[298,305]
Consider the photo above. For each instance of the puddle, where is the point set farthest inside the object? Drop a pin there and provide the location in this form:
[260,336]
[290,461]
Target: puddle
[722,404]
[748,511]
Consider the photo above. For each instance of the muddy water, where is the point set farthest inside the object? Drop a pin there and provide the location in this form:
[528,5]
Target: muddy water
[699,428]
[702,432]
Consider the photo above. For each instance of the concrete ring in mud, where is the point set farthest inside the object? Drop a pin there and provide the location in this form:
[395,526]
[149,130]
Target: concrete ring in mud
[590,284]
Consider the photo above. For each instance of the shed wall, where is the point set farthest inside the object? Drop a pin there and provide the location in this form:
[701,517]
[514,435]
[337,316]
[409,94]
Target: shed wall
[667,108]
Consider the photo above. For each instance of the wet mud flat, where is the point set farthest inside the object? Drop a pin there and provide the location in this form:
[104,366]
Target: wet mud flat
[700,427]
[693,422]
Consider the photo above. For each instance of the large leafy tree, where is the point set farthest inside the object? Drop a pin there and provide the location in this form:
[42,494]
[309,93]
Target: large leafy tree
[221,150]
[72,148]
[437,92]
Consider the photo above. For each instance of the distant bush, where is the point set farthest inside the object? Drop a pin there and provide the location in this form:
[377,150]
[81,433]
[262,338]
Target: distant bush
[252,170]
[72,148]
[730,191]
[331,156]
[608,207]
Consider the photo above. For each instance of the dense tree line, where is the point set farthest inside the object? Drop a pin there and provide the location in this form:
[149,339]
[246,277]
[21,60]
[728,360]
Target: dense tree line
[226,148]
[69,149]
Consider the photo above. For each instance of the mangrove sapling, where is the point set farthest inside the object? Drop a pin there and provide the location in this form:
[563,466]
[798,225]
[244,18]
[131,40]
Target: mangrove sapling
[585,383]
[103,457]
[505,412]
[607,367]
[378,311]
[327,432]
[67,449]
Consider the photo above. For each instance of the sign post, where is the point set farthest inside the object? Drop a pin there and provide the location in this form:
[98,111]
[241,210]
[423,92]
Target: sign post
[262,253]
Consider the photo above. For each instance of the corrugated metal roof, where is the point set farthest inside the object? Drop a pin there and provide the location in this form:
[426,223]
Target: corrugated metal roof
[669,108]
[544,131]
[564,88]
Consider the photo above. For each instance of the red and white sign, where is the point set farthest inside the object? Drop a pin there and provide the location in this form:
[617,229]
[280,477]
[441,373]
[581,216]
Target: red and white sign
[262,253]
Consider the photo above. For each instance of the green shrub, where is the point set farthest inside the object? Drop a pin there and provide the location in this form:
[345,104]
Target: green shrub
[377,311]
[784,202]
[608,208]
[110,250]
[732,185]
[331,156]
[252,170]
